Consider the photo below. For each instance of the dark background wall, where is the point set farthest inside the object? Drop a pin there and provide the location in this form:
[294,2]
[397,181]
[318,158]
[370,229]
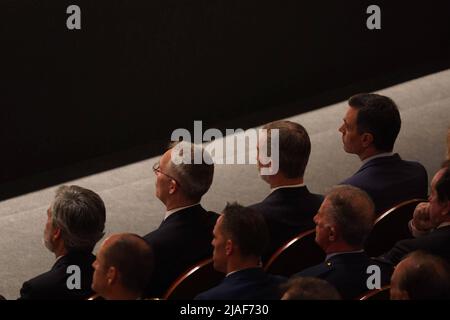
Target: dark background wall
[139,69]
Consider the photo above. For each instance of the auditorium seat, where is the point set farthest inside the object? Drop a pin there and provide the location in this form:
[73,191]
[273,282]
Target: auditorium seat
[391,227]
[297,254]
[377,294]
[195,280]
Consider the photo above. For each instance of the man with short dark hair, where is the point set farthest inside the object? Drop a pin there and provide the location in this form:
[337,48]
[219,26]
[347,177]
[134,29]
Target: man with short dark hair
[184,236]
[421,276]
[239,238]
[123,267]
[370,128]
[290,206]
[343,223]
[75,223]
[432,226]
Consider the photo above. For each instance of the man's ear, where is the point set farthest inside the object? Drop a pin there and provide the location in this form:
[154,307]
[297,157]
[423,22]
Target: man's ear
[56,233]
[229,247]
[366,139]
[112,275]
[173,186]
[332,233]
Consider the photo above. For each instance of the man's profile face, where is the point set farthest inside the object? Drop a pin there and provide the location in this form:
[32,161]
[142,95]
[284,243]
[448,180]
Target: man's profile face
[48,231]
[323,227]
[99,279]
[218,243]
[438,209]
[349,129]
[162,183]
[395,292]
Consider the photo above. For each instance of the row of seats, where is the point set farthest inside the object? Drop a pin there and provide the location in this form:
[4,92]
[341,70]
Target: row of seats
[302,252]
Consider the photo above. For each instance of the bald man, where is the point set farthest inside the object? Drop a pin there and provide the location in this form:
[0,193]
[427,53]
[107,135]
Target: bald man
[123,267]
[421,276]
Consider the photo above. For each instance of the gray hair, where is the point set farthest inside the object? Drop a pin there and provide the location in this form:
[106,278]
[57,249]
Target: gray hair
[80,214]
[352,211]
[195,177]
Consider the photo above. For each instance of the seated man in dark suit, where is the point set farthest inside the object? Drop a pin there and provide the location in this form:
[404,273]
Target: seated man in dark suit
[76,220]
[421,276]
[431,224]
[343,223]
[184,237]
[370,128]
[290,207]
[123,267]
[240,236]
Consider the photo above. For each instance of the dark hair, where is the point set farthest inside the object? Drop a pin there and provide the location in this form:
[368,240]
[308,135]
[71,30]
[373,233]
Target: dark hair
[80,214]
[425,277]
[443,186]
[308,288]
[294,147]
[246,228]
[379,116]
[352,210]
[133,258]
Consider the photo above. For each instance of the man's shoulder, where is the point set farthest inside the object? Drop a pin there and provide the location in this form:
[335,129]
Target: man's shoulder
[288,197]
[53,283]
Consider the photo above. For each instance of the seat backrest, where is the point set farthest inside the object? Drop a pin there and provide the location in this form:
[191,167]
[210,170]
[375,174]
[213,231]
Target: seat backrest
[377,294]
[391,227]
[195,280]
[297,254]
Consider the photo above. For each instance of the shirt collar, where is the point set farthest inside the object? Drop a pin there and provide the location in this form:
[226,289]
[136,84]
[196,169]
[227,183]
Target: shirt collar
[288,186]
[339,253]
[170,212]
[380,155]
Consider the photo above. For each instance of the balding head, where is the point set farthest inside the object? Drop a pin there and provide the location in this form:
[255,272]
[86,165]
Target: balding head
[421,276]
[124,264]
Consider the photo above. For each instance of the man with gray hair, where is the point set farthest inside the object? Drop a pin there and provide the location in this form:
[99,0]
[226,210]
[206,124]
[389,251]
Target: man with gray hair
[75,223]
[343,223]
[184,237]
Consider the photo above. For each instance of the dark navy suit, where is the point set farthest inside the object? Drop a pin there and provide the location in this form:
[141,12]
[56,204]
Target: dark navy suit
[347,272]
[247,284]
[287,211]
[390,180]
[182,240]
[436,242]
[53,284]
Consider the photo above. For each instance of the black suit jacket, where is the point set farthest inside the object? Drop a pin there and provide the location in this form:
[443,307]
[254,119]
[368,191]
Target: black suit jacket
[182,240]
[436,242]
[390,180]
[247,284]
[53,284]
[287,211]
[348,273]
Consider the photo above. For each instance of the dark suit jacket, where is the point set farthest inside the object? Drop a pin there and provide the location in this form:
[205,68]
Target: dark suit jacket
[390,180]
[53,284]
[348,273]
[287,211]
[247,284]
[182,240]
[436,242]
